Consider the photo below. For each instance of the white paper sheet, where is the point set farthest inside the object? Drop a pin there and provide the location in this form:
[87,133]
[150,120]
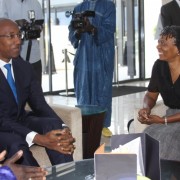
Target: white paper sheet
[133,147]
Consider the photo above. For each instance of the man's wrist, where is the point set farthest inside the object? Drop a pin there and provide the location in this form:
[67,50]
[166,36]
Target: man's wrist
[30,138]
[38,139]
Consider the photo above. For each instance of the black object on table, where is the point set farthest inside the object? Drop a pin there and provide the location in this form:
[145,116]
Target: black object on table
[92,124]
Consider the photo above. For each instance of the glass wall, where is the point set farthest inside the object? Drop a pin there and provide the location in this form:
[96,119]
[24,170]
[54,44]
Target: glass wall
[152,31]
[151,16]
[127,36]
[58,53]
[135,38]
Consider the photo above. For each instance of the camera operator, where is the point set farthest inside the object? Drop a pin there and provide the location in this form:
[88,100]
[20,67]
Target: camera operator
[93,37]
[17,10]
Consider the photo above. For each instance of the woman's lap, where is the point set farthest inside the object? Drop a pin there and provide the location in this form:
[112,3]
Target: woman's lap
[168,137]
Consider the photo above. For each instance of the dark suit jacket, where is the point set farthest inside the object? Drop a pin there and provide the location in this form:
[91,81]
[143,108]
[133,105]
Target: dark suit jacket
[170,14]
[28,91]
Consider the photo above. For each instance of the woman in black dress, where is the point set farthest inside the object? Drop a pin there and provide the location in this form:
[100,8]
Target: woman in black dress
[165,81]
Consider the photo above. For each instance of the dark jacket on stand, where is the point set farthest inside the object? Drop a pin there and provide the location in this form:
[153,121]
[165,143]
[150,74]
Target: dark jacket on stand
[170,14]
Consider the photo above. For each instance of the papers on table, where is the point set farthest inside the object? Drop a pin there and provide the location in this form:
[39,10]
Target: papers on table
[139,154]
[133,147]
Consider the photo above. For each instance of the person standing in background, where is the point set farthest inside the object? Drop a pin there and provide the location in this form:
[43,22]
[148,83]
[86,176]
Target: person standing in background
[94,58]
[170,13]
[17,10]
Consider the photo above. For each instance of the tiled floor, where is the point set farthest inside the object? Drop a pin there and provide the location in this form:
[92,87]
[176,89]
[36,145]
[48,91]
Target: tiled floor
[122,108]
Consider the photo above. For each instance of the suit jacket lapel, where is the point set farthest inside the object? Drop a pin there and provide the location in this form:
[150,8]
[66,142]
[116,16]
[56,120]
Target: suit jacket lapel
[4,84]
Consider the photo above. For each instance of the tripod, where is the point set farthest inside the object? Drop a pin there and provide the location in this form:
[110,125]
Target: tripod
[29,50]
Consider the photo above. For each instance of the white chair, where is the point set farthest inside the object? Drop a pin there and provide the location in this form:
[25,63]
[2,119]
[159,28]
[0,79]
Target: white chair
[73,119]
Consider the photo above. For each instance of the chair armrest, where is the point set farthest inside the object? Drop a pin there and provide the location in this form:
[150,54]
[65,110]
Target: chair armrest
[159,109]
[71,116]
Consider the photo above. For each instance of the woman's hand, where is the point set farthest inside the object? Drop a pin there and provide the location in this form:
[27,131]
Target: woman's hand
[150,119]
[143,115]
[155,119]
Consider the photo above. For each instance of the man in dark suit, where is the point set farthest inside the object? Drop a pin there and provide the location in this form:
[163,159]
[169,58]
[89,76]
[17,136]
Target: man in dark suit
[20,129]
[170,13]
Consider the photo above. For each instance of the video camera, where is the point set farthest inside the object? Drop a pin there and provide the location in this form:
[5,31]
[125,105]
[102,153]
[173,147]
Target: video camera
[32,29]
[78,19]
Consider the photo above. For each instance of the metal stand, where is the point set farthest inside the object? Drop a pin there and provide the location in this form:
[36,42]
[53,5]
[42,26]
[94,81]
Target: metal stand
[66,60]
[116,68]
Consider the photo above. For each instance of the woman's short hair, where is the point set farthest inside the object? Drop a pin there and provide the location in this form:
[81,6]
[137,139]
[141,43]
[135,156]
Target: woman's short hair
[172,32]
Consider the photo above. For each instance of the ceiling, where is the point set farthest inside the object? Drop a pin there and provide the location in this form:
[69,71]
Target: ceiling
[62,5]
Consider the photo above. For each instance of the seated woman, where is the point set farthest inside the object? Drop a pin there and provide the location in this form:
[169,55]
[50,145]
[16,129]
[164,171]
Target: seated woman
[165,80]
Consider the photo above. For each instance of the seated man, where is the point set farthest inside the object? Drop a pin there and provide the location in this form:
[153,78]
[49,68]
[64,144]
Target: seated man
[10,170]
[20,129]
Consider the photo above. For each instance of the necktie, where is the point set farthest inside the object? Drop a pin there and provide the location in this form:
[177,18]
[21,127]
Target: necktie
[11,80]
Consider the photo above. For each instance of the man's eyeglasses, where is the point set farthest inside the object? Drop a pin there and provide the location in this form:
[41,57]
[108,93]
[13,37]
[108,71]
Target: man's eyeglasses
[12,36]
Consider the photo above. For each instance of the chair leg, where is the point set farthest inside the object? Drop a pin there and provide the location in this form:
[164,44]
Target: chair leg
[129,123]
